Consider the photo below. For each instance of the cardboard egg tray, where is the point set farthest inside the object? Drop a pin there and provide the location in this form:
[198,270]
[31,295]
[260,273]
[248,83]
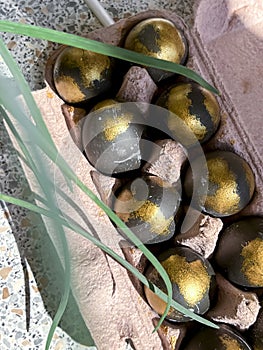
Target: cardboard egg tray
[224,47]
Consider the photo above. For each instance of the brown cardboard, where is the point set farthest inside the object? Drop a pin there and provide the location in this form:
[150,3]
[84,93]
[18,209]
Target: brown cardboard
[114,311]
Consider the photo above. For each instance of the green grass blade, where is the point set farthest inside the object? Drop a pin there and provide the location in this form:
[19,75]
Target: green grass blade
[39,138]
[23,87]
[46,189]
[102,48]
[123,262]
[65,295]
[26,93]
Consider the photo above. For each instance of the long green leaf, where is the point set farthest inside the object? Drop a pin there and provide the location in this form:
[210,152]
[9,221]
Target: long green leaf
[102,48]
[26,93]
[65,295]
[51,151]
[23,87]
[108,250]
[123,262]
[38,138]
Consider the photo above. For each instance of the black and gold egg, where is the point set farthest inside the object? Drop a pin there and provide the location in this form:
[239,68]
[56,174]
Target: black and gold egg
[111,138]
[196,106]
[80,75]
[225,188]
[158,38]
[240,252]
[192,278]
[223,338]
[148,206]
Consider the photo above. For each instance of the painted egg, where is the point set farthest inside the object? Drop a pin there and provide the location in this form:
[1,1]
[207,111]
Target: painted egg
[196,106]
[192,278]
[159,38]
[225,188]
[220,339]
[111,138]
[148,206]
[240,252]
[80,75]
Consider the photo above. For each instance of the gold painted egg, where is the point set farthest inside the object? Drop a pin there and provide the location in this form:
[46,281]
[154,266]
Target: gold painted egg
[196,106]
[159,38]
[148,206]
[223,338]
[192,278]
[240,252]
[225,188]
[80,75]
[112,136]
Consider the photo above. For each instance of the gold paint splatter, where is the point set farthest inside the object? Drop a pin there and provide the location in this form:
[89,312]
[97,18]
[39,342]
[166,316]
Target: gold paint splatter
[192,277]
[126,207]
[115,127]
[92,67]
[252,266]
[178,103]
[225,199]
[50,94]
[164,329]
[5,294]
[104,104]
[230,343]
[68,89]
[173,341]
[4,272]
[151,213]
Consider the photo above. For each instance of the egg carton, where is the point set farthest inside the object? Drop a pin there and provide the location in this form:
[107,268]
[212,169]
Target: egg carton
[224,47]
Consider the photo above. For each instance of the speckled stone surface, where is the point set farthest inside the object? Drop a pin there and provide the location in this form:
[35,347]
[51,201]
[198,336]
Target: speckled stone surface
[29,293]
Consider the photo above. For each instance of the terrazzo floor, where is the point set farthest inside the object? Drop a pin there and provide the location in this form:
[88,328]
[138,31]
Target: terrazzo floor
[28,293]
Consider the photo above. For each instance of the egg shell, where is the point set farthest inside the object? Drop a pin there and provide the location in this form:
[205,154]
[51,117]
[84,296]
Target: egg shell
[226,186]
[148,206]
[111,139]
[80,75]
[219,339]
[240,252]
[159,38]
[192,279]
[196,106]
